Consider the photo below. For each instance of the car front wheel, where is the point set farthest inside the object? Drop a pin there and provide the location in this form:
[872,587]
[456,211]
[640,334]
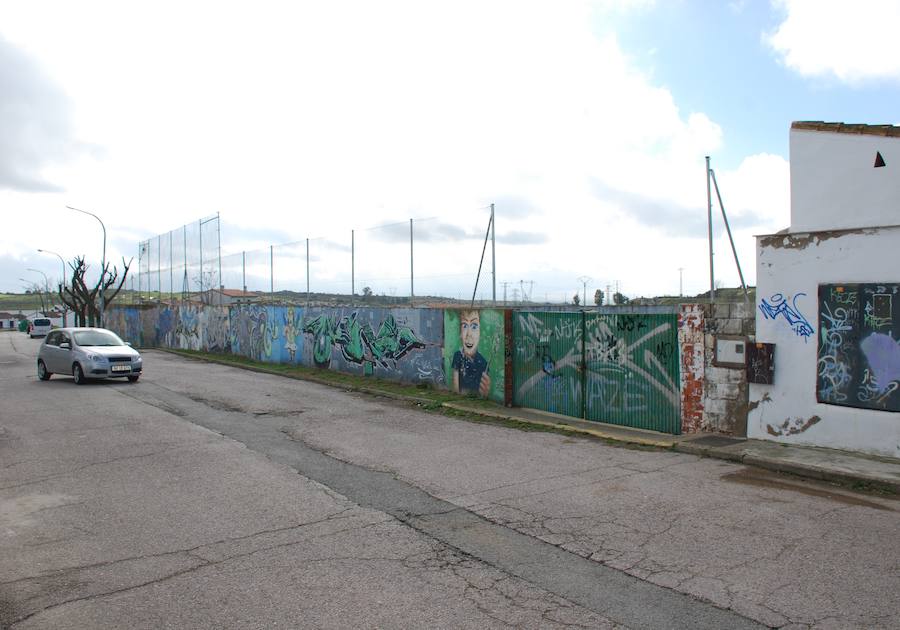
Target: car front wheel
[78,374]
[43,374]
[133,379]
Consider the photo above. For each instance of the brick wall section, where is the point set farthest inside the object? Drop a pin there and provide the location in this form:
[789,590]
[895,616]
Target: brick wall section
[725,390]
[693,364]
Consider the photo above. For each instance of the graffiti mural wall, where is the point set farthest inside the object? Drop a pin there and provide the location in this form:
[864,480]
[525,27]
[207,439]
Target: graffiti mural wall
[398,344]
[859,346]
[474,352]
[125,322]
[253,331]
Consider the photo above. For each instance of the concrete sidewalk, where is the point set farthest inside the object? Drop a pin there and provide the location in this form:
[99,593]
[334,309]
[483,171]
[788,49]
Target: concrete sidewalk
[824,464]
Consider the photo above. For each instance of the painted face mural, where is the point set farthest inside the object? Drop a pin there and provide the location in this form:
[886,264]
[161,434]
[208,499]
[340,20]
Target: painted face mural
[474,360]
[469,332]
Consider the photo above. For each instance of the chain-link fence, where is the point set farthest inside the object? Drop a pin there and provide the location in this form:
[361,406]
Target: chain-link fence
[415,258]
[180,263]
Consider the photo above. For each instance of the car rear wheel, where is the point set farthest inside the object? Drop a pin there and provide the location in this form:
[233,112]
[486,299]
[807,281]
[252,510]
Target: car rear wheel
[133,379]
[43,374]
[78,374]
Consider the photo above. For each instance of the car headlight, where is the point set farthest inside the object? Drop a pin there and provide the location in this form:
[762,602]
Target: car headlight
[138,359]
[95,357]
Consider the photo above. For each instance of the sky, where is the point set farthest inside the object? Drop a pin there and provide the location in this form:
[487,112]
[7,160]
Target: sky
[585,123]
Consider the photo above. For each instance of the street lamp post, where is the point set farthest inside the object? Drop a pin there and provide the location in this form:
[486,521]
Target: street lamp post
[63,278]
[102,263]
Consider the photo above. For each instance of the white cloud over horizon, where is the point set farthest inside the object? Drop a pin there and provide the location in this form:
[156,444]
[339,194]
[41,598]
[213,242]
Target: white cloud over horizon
[311,120]
[854,43]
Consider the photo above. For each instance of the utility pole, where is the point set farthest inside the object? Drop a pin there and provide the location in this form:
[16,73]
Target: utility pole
[505,284]
[680,282]
[712,277]
[608,294]
[494,253]
[584,280]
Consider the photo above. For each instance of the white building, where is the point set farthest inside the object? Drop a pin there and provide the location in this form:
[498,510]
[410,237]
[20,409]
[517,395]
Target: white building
[828,295]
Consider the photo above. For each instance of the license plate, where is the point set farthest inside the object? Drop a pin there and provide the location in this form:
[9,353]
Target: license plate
[121,368]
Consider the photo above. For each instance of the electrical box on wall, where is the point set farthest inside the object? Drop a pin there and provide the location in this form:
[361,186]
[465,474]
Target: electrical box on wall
[730,351]
[761,363]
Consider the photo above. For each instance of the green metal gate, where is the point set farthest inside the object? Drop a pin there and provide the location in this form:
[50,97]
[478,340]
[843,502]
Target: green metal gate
[620,368]
[632,373]
[547,358]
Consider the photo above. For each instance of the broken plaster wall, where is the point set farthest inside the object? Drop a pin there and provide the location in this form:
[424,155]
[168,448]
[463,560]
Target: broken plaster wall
[725,389]
[790,268]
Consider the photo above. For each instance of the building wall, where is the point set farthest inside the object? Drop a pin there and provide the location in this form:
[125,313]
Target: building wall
[790,269]
[834,184]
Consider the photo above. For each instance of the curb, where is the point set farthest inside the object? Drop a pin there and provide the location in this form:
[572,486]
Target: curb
[563,426]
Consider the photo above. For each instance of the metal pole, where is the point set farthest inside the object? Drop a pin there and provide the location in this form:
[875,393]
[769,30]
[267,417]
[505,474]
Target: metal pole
[171,268]
[244,270]
[63,281]
[731,240]
[584,281]
[680,281]
[102,263]
[184,282]
[712,278]
[200,224]
[219,240]
[272,273]
[140,266]
[307,272]
[411,291]
[494,253]
[352,264]
[159,266]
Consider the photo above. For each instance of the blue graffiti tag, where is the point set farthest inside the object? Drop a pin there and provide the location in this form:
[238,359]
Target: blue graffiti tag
[777,305]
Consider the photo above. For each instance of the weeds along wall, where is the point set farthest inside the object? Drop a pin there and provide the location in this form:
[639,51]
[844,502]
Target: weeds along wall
[636,369]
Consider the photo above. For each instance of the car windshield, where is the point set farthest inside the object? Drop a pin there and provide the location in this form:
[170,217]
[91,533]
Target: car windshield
[97,338]
[42,322]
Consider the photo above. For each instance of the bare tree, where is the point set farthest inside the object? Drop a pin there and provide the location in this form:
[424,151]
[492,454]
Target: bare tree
[82,298]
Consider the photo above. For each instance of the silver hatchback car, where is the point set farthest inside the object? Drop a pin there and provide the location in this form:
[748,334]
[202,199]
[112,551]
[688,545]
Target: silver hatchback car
[87,353]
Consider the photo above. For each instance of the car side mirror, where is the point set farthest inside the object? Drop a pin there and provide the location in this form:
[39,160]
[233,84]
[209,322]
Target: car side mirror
[128,343]
[65,345]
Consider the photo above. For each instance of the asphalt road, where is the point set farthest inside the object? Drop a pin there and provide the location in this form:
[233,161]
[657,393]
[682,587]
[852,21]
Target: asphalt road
[206,496]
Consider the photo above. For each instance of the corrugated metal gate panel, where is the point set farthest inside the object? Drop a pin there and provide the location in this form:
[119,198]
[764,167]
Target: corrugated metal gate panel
[632,376]
[547,360]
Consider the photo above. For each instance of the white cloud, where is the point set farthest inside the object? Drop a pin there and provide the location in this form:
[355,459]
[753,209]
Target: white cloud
[853,42]
[312,119]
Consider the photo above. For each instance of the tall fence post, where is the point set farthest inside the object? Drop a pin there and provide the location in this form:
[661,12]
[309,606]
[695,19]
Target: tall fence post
[352,264]
[219,241]
[411,289]
[171,268]
[307,272]
[244,270]
[272,273]
[200,224]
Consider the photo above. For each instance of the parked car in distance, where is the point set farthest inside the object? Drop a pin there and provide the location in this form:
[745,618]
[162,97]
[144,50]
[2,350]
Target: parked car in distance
[39,327]
[87,353]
